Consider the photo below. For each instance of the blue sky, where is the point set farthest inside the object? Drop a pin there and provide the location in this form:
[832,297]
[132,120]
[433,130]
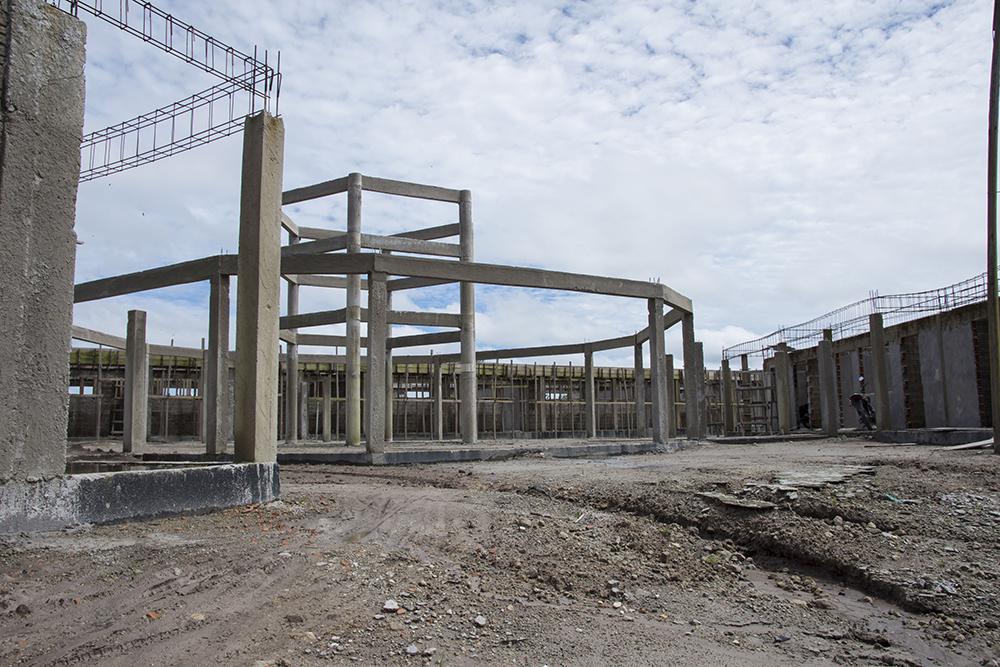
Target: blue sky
[770,160]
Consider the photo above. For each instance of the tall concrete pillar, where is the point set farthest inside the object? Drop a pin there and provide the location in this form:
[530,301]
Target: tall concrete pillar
[698,385]
[467,383]
[728,391]
[216,398]
[378,316]
[303,410]
[669,390]
[828,406]
[390,394]
[590,408]
[292,363]
[352,419]
[257,291]
[41,120]
[136,383]
[782,390]
[879,372]
[437,416]
[657,383]
[640,392]
[693,381]
[327,408]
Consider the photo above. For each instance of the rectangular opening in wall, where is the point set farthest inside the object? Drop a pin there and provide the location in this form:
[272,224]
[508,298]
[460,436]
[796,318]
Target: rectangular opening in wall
[913,388]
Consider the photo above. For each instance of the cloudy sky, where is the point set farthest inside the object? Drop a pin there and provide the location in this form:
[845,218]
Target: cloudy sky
[771,160]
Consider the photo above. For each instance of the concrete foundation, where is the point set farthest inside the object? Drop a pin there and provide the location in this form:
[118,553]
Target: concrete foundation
[117,496]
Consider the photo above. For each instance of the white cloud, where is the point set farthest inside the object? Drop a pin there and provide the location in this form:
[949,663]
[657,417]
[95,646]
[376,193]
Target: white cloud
[770,160]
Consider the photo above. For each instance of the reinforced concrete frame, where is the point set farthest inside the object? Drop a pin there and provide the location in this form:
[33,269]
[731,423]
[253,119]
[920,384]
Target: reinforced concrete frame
[336,259]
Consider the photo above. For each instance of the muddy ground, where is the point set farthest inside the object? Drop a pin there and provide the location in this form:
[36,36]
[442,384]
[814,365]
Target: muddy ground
[538,561]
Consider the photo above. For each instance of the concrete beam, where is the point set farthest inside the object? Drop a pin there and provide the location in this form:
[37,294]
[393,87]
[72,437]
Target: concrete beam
[425,339]
[337,241]
[324,189]
[404,189]
[98,338]
[415,283]
[258,288]
[182,273]
[136,383]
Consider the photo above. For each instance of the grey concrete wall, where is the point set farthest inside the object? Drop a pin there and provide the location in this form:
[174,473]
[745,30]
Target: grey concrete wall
[41,121]
[848,360]
[932,377]
[897,401]
[960,375]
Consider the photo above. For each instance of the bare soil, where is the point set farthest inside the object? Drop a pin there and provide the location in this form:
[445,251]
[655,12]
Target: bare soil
[538,561]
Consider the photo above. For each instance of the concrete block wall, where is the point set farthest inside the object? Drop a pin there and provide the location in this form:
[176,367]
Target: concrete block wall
[41,123]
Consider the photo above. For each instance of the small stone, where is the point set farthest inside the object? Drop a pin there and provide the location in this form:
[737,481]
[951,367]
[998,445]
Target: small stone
[479,620]
[294,619]
[309,636]
[838,520]
[285,554]
[430,651]
[390,606]
[22,610]
[781,639]
[412,649]
[616,604]
[197,616]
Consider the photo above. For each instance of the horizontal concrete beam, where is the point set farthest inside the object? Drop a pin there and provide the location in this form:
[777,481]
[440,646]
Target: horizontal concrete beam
[289,225]
[424,339]
[431,233]
[150,279]
[319,318]
[414,283]
[404,189]
[324,189]
[339,316]
[338,241]
[98,338]
[336,282]
[326,340]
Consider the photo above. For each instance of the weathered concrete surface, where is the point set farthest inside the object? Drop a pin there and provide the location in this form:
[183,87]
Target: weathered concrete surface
[116,496]
[216,398]
[136,383]
[943,436]
[258,285]
[41,120]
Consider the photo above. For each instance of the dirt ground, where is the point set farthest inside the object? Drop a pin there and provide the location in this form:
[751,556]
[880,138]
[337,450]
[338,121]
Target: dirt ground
[807,553]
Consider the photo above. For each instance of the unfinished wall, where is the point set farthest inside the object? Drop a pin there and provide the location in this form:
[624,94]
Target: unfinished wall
[41,121]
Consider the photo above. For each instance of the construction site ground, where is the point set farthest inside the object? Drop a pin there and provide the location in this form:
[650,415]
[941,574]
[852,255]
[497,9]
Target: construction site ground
[821,552]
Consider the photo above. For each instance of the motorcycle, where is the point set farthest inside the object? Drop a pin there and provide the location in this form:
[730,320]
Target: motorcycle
[863,406]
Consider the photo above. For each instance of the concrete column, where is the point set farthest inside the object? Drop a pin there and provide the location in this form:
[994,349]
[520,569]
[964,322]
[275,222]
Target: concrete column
[389,391]
[640,393]
[136,383]
[829,413]
[437,417]
[658,383]
[698,385]
[292,363]
[782,390]
[728,391]
[467,383]
[257,291]
[216,398]
[668,393]
[303,410]
[879,371]
[377,335]
[41,121]
[327,408]
[744,362]
[590,409]
[352,419]
[692,384]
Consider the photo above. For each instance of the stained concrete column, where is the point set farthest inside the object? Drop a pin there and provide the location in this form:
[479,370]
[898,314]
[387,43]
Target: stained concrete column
[303,410]
[698,386]
[292,363]
[467,383]
[880,371]
[389,391]
[216,398]
[728,390]
[352,418]
[327,408]
[829,412]
[375,385]
[437,416]
[782,390]
[257,291]
[657,372]
[590,409]
[41,121]
[668,395]
[136,383]
[693,380]
[640,392]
